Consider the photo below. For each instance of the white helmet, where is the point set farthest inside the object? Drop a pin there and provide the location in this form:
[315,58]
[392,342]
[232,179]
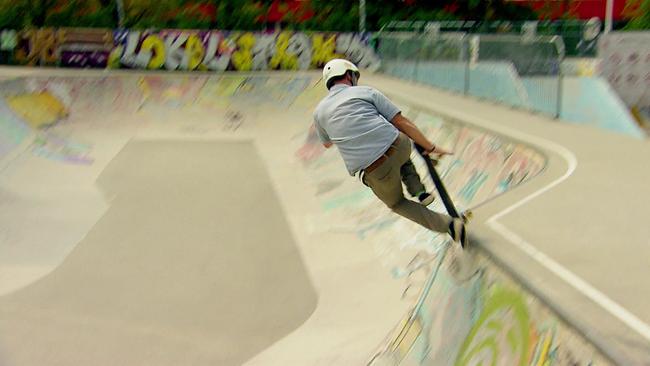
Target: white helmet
[338,67]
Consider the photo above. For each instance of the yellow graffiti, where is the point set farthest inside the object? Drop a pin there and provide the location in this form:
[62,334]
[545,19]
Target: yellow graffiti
[407,337]
[144,88]
[243,59]
[194,52]
[38,110]
[281,58]
[41,47]
[546,346]
[155,44]
[115,57]
[323,50]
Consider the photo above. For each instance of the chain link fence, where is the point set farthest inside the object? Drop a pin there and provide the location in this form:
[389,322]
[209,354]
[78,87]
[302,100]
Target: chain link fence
[519,71]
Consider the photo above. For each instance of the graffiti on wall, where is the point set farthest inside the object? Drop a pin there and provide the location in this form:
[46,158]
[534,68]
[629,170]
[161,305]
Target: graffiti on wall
[13,131]
[489,322]
[219,51]
[29,115]
[626,65]
[483,166]
[501,334]
[8,43]
[67,47]
[85,48]
[36,111]
[38,47]
[209,50]
[51,146]
[485,319]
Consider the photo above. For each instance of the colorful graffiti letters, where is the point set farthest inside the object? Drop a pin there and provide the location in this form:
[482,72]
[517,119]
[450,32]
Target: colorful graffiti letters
[64,47]
[184,49]
[8,40]
[500,336]
[38,47]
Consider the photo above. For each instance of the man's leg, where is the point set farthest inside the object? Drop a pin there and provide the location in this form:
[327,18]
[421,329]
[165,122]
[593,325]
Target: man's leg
[411,179]
[386,183]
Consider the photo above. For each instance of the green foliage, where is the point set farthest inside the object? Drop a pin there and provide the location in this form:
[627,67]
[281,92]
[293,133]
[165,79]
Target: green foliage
[19,14]
[334,15]
[639,13]
[77,14]
[329,15]
[145,14]
[186,14]
[11,14]
[233,15]
[343,15]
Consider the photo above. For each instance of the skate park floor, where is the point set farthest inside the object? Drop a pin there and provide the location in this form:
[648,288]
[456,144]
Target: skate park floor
[182,234]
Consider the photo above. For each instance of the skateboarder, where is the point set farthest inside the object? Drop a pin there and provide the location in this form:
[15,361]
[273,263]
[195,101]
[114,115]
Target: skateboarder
[374,140]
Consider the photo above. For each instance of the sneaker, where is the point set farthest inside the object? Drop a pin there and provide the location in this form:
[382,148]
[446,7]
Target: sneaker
[457,231]
[426,198]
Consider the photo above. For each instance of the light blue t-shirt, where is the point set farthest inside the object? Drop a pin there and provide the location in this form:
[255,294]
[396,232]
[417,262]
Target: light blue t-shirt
[356,119]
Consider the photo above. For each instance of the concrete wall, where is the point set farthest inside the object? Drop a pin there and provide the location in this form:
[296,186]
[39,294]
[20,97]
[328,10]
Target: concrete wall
[203,50]
[465,312]
[585,100]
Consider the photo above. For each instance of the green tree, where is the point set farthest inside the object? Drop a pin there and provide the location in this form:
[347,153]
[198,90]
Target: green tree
[143,14]
[37,11]
[639,13]
[333,15]
[328,15]
[82,13]
[343,15]
[12,14]
[188,14]
[239,15]
[19,14]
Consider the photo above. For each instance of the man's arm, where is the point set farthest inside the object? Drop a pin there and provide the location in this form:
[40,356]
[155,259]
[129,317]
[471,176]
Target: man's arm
[411,130]
[322,135]
[390,111]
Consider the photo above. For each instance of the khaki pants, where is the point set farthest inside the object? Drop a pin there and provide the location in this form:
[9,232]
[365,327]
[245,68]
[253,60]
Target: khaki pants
[386,183]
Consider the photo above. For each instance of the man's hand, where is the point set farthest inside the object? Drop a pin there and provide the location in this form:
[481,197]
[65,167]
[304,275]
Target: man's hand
[435,150]
[328,144]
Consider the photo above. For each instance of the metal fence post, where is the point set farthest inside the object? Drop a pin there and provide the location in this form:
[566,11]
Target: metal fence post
[558,111]
[609,10]
[120,13]
[362,16]
[418,46]
[467,69]
[473,57]
[560,78]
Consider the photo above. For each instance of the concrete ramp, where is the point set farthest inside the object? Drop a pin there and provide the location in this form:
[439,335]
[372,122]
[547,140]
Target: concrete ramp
[196,220]
[181,269]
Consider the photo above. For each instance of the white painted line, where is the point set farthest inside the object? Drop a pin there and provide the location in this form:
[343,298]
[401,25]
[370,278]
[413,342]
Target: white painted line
[578,283]
[571,278]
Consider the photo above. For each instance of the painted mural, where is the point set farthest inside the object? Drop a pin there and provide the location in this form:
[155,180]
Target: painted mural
[27,118]
[465,313]
[476,319]
[486,319]
[187,50]
[625,64]
[34,111]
